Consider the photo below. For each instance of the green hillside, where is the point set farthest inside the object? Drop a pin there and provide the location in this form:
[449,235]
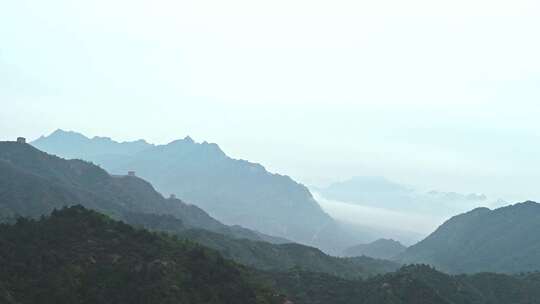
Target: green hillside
[79,256]
[505,240]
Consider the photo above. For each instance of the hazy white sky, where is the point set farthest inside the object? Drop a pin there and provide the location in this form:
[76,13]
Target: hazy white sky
[439,94]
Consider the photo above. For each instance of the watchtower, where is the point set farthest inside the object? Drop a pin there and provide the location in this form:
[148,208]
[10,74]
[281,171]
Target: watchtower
[131,173]
[21,140]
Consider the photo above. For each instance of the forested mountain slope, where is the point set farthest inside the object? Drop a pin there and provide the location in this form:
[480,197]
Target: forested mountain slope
[413,284]
[80,256]
[506,240]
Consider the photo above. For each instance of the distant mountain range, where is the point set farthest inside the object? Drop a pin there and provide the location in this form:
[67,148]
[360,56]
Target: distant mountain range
[233,191]
[34,183]
[381,249]
[506,240]
[380,192]
[76,255]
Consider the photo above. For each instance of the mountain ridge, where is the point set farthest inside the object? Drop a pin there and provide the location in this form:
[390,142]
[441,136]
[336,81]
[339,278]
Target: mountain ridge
[504,240]
[381,248]
[233,191]
[38,183]
[77,181]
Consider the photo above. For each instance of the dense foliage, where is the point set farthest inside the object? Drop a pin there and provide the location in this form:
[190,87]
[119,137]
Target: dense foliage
[413,284]
[80,256]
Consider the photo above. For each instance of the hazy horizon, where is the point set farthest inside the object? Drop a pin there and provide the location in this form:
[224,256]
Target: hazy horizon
[491,201]
[439,97]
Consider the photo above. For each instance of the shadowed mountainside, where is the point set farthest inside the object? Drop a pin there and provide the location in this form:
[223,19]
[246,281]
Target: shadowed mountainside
[506,240]
[34,183]
[80,256]
[231,190]
[381,248]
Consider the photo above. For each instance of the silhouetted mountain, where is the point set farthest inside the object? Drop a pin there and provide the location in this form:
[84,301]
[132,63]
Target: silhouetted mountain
[80,256]
[380,192]
[233,191]
[33,183]
[381,248]
[69,144]
[502,240]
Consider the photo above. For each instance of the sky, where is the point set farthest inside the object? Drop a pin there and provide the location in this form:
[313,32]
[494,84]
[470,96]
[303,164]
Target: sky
[435,94]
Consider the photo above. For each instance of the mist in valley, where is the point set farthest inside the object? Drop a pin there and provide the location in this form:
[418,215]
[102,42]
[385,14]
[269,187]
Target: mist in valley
[406,227]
